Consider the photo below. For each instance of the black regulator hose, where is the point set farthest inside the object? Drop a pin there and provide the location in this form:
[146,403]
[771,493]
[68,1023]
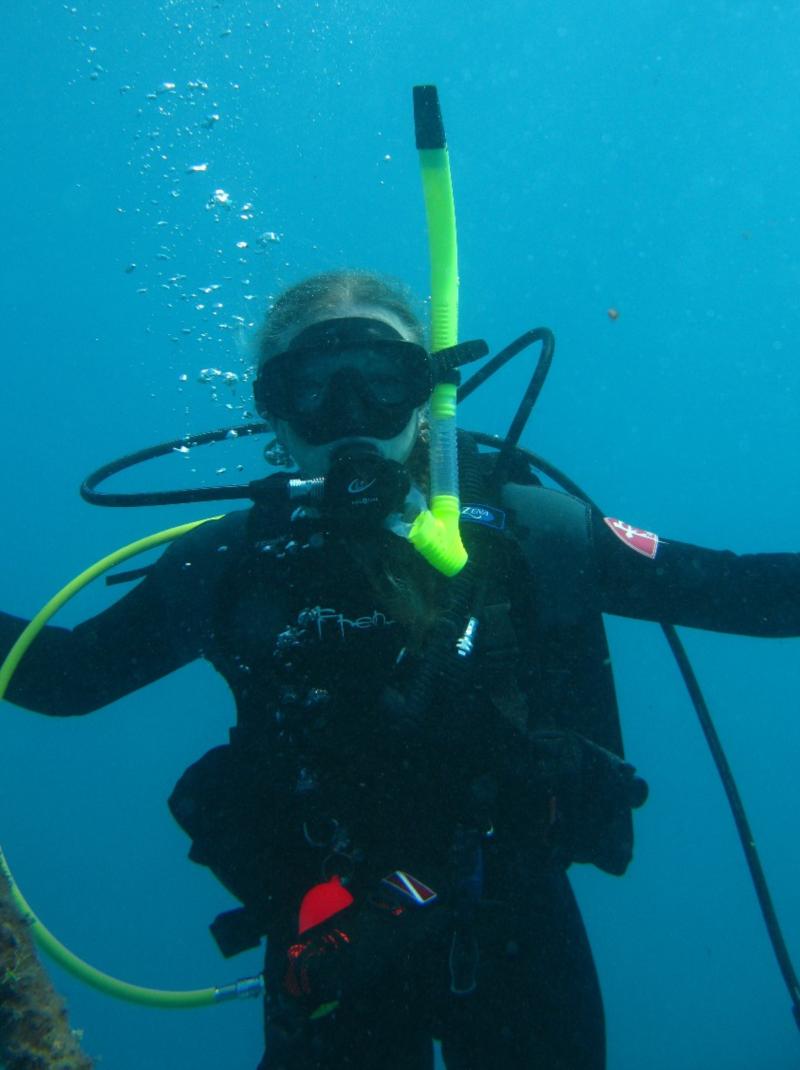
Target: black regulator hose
[529,398]
[90,494]
[739,816]
[712,738]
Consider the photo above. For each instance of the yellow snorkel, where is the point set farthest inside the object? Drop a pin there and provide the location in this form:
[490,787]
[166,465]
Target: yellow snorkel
[435,532]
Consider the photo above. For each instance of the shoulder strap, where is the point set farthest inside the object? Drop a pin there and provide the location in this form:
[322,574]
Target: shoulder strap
[553,531]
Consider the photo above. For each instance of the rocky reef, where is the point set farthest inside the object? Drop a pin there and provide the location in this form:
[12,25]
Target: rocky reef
[34,1029]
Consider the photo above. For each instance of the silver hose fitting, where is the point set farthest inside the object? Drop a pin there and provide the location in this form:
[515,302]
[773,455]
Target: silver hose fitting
[466,643]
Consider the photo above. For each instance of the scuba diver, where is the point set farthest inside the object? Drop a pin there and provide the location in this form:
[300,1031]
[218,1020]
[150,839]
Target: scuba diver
[418,759]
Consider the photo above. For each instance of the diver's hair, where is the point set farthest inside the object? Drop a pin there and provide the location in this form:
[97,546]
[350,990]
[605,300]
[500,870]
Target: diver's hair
[325,295]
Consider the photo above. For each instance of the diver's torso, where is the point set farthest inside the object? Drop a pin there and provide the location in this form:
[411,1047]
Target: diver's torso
[309,646]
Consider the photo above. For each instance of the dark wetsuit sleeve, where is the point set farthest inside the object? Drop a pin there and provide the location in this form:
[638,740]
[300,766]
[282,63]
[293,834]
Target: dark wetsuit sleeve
[584,564]
[157,627]
[747,594]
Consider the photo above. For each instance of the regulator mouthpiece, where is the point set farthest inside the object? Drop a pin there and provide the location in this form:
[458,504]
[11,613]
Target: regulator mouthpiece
[363,488]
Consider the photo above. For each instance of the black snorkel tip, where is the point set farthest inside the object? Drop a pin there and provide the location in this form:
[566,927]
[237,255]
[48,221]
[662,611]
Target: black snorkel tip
[428,122]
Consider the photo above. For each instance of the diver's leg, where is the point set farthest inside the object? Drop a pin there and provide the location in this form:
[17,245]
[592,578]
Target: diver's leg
[538,1001]
[346,1041]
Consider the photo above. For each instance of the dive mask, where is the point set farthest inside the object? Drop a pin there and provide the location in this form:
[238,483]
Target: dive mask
[352,377]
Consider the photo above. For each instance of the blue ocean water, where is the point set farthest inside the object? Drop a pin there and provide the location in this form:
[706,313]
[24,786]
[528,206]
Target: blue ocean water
[169,166]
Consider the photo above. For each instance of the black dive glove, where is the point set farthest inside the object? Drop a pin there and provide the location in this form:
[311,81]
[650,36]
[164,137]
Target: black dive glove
[583,798]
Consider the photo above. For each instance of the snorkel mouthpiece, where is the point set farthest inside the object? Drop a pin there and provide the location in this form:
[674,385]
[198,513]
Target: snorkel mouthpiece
[435,532]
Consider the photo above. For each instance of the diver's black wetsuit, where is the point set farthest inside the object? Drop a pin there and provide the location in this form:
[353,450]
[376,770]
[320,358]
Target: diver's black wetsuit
[312,782]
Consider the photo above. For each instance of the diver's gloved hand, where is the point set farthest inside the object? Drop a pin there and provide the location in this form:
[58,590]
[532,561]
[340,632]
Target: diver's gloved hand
[313,966]
[583,794]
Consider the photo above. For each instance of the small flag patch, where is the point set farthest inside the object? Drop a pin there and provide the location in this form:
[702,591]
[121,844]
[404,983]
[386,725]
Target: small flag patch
[643,542]
[411,887]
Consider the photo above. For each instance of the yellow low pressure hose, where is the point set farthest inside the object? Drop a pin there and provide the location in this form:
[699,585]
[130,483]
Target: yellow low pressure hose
[111,986]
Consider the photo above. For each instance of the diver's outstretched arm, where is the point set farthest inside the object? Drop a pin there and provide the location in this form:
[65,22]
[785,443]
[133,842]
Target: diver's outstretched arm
[581,557]
[744,594]
[157,627]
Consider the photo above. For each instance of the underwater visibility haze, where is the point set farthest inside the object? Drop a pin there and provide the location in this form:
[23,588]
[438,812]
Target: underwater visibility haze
[624,174]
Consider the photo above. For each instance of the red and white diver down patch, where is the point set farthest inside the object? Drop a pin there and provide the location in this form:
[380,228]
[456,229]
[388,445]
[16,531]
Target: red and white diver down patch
[643,542]
[411,887]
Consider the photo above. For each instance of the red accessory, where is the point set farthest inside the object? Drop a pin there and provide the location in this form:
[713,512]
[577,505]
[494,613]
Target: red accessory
[322,902]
